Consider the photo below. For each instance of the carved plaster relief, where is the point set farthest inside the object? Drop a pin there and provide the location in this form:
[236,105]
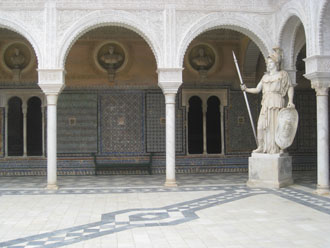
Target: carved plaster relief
[32,19]
[17,57]
[111,57]
[66,18]
[202,59]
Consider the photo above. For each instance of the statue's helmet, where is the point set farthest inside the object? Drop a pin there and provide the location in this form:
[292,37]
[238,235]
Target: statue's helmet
[277,56]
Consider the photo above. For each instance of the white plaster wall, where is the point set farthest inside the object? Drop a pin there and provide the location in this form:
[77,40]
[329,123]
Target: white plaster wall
[168,26]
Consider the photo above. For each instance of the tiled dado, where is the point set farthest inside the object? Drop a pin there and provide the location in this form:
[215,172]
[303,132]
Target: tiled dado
[77,123]
[185,165]
[38,167]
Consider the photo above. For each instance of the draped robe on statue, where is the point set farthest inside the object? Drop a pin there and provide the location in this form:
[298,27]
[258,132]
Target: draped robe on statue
[274,89]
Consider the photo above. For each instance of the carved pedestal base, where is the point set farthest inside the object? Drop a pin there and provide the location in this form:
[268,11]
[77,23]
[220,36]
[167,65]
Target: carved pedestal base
[52,187]
[170,183]
[270,170]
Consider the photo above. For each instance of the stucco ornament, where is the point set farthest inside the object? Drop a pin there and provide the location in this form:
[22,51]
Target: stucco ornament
[201,58]
[111,57]
[17,57]
[275,86]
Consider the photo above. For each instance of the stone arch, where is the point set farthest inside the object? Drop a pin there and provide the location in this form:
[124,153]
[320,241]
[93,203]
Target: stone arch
[107,18]
[19,27]
[300,43]
[231,21]
[288,37]
[251,59]
[324,29]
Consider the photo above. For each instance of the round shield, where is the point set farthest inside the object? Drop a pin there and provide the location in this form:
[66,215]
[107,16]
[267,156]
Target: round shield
[287,123]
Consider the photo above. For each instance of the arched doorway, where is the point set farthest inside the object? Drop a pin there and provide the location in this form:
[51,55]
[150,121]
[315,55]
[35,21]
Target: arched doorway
[195,126]
[111,106]
[211,75]
[213,126]
[19,81]
[34,127]
[15,127]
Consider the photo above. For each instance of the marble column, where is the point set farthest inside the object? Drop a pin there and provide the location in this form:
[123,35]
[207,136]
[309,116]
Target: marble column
[52,141]
[169,80]
[322,140]
[170,139]
[187,127]
[51,81]
[318,72]
[43,129]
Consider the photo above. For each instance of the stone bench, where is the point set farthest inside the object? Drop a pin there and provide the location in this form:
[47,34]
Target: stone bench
[101,164]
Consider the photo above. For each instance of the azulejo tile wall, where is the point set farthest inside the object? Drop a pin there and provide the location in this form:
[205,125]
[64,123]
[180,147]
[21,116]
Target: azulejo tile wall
[239,134]
[306,137]
[116,122]
[155,123]
[121,116]
[77,123]
[127,124]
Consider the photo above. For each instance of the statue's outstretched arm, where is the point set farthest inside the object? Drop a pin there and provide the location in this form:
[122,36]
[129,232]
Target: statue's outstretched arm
[252,90]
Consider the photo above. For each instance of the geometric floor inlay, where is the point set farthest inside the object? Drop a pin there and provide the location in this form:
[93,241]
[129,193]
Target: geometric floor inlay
[170,215]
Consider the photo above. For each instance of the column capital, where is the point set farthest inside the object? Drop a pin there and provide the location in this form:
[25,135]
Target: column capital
[170,98]
[51,81]
[24,107]
[321,86]
[169,79]
[317,66]
[51,99]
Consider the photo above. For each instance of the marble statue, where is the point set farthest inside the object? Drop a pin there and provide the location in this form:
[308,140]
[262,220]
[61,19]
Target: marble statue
[111,59]
[17,59]
[275,86]
[202,61]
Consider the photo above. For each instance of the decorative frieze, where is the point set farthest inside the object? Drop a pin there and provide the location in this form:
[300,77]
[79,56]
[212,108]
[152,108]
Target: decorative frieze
[321,88]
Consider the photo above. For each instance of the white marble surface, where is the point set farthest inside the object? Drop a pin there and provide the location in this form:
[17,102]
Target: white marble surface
[52,141]
[270,170]
[322,144]
[266,219]
[170,139]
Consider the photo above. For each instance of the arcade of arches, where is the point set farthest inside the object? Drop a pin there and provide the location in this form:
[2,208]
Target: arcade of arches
[112,109]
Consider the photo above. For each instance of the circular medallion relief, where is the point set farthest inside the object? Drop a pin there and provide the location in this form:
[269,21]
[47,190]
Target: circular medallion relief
[111,56]
[201,57]
[17,56]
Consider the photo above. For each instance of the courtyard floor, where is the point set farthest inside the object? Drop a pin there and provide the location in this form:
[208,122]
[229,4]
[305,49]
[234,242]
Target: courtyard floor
[215,210]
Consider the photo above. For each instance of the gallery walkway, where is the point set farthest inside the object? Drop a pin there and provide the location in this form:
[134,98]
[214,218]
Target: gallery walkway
[137,211]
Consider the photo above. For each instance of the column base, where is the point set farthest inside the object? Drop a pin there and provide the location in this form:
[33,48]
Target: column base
[322,190]
[170,183]
[52,187]
[270,170]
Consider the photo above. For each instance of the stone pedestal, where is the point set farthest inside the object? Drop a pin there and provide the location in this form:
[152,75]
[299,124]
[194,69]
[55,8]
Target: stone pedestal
[270,170]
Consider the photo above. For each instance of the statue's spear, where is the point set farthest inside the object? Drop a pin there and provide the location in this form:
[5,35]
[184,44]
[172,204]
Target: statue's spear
[245,97]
